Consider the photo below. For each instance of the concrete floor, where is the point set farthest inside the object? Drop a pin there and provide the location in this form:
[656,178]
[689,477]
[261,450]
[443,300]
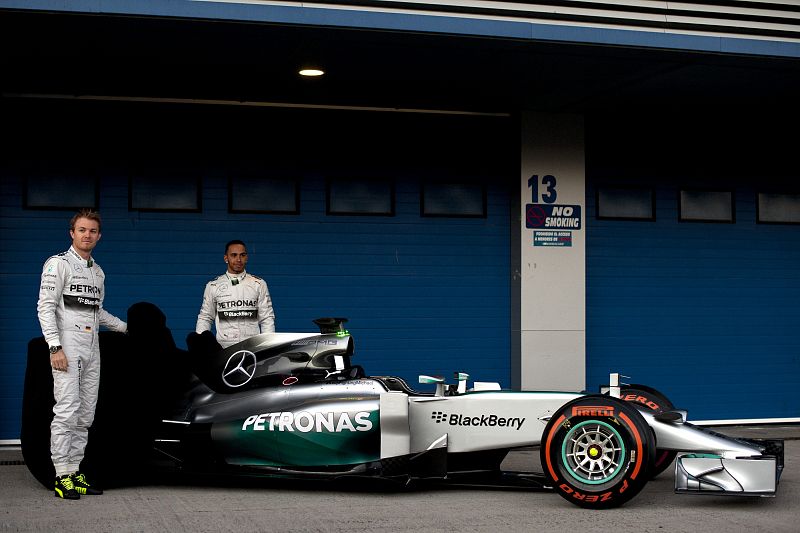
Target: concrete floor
[275,505]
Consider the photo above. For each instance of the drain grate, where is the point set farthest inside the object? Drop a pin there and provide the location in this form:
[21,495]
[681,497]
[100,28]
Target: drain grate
[12,463]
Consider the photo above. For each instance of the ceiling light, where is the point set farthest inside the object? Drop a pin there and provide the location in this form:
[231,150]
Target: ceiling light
[311,72]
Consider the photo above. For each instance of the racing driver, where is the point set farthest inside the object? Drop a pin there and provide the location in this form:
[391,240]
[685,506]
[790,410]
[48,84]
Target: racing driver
[70,312]
[237,301]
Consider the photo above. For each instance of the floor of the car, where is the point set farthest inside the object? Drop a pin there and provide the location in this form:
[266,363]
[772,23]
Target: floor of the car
[522,460]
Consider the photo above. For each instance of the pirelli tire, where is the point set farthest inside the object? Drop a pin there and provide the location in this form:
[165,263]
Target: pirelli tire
[597,452]
[650,399]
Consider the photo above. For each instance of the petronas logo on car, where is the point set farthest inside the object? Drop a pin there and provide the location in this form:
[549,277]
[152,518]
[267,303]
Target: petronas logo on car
[306,422]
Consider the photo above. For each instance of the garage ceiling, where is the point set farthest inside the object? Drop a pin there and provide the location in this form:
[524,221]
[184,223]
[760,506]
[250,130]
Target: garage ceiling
[115,56]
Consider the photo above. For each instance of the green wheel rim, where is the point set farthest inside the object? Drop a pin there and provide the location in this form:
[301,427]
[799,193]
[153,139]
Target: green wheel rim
[593,452]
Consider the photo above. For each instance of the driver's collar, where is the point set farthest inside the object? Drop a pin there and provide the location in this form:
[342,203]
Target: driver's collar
[237,277]
[87,262]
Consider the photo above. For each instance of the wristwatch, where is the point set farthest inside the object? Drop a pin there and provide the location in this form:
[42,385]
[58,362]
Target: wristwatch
[54,349]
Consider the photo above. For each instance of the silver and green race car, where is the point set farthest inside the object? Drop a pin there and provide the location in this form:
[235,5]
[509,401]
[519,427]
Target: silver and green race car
[294,405]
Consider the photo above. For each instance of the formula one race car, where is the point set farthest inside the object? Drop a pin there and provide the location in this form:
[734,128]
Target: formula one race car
[293,405]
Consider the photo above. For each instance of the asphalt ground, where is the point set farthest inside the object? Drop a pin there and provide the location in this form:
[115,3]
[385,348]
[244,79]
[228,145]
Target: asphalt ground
[278,505]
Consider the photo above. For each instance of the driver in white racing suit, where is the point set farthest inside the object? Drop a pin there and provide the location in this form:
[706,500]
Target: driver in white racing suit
[70,310]
[238,303]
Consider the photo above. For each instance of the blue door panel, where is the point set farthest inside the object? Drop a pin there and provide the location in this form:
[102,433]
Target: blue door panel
[423,295]
[705,312]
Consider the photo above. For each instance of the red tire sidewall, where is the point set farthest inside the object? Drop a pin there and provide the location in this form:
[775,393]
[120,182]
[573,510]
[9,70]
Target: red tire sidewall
[649,398]
[646,397]
[635,433]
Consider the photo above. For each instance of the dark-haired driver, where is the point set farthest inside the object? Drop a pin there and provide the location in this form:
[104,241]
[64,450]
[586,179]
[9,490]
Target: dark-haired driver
[237,302]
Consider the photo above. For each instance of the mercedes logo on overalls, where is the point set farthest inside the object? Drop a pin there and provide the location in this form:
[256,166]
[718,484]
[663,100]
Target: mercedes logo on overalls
[239,369]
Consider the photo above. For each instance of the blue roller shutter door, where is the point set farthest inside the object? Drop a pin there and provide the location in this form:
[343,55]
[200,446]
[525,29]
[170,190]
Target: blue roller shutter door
[706,312]
[423,295]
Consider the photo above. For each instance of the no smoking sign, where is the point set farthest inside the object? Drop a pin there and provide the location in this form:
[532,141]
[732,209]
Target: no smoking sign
[553,216]
[534,216]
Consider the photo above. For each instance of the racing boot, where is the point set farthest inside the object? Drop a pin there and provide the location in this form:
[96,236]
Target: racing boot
[82,486]
[65,489]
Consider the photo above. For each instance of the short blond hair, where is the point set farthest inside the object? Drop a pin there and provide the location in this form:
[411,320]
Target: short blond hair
[86,213]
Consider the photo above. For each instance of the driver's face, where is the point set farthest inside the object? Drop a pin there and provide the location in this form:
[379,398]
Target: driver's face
[85,235]
[236,257]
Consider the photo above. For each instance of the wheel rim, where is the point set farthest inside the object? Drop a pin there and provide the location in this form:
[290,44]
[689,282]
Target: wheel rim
[593,452]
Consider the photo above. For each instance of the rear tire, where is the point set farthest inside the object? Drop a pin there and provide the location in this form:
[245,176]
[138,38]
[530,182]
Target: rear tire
[597,452]
[655,401]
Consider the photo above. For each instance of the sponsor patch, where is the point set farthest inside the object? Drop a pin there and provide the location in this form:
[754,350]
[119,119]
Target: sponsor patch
[79,302]
[488,420]
[231,315]
[236,303]
[90,289]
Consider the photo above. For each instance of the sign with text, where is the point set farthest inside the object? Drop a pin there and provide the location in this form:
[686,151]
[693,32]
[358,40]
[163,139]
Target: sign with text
[552,238]
[552,216]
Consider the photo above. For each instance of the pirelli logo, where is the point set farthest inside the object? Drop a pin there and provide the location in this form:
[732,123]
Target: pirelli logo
[592,410]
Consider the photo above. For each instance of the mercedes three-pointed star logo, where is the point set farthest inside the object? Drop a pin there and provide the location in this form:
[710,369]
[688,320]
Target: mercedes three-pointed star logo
[239,369]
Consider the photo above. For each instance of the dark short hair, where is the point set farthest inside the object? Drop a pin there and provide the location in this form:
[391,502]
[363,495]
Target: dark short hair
[231,243]
[86,213]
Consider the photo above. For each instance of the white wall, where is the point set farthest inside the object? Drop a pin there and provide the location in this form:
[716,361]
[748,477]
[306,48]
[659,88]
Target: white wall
[552,277]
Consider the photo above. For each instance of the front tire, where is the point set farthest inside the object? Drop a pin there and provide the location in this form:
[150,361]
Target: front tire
[597,452]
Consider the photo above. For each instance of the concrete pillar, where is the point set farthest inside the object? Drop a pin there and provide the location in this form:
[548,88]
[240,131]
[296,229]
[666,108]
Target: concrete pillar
[552,258]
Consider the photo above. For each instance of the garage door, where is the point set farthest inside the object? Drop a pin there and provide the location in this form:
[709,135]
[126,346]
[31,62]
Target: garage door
[399,222]
[699,299]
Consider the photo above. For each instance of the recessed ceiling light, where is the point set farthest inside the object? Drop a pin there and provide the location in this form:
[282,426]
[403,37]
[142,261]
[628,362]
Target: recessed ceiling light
[311,72]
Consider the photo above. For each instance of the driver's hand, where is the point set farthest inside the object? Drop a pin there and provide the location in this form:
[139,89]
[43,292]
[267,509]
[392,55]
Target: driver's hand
[58,361]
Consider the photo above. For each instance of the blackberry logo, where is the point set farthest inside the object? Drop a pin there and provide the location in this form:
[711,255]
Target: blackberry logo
[481,420]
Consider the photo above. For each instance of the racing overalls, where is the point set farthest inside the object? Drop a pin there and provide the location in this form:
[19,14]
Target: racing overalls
[240,306]
[70,312]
